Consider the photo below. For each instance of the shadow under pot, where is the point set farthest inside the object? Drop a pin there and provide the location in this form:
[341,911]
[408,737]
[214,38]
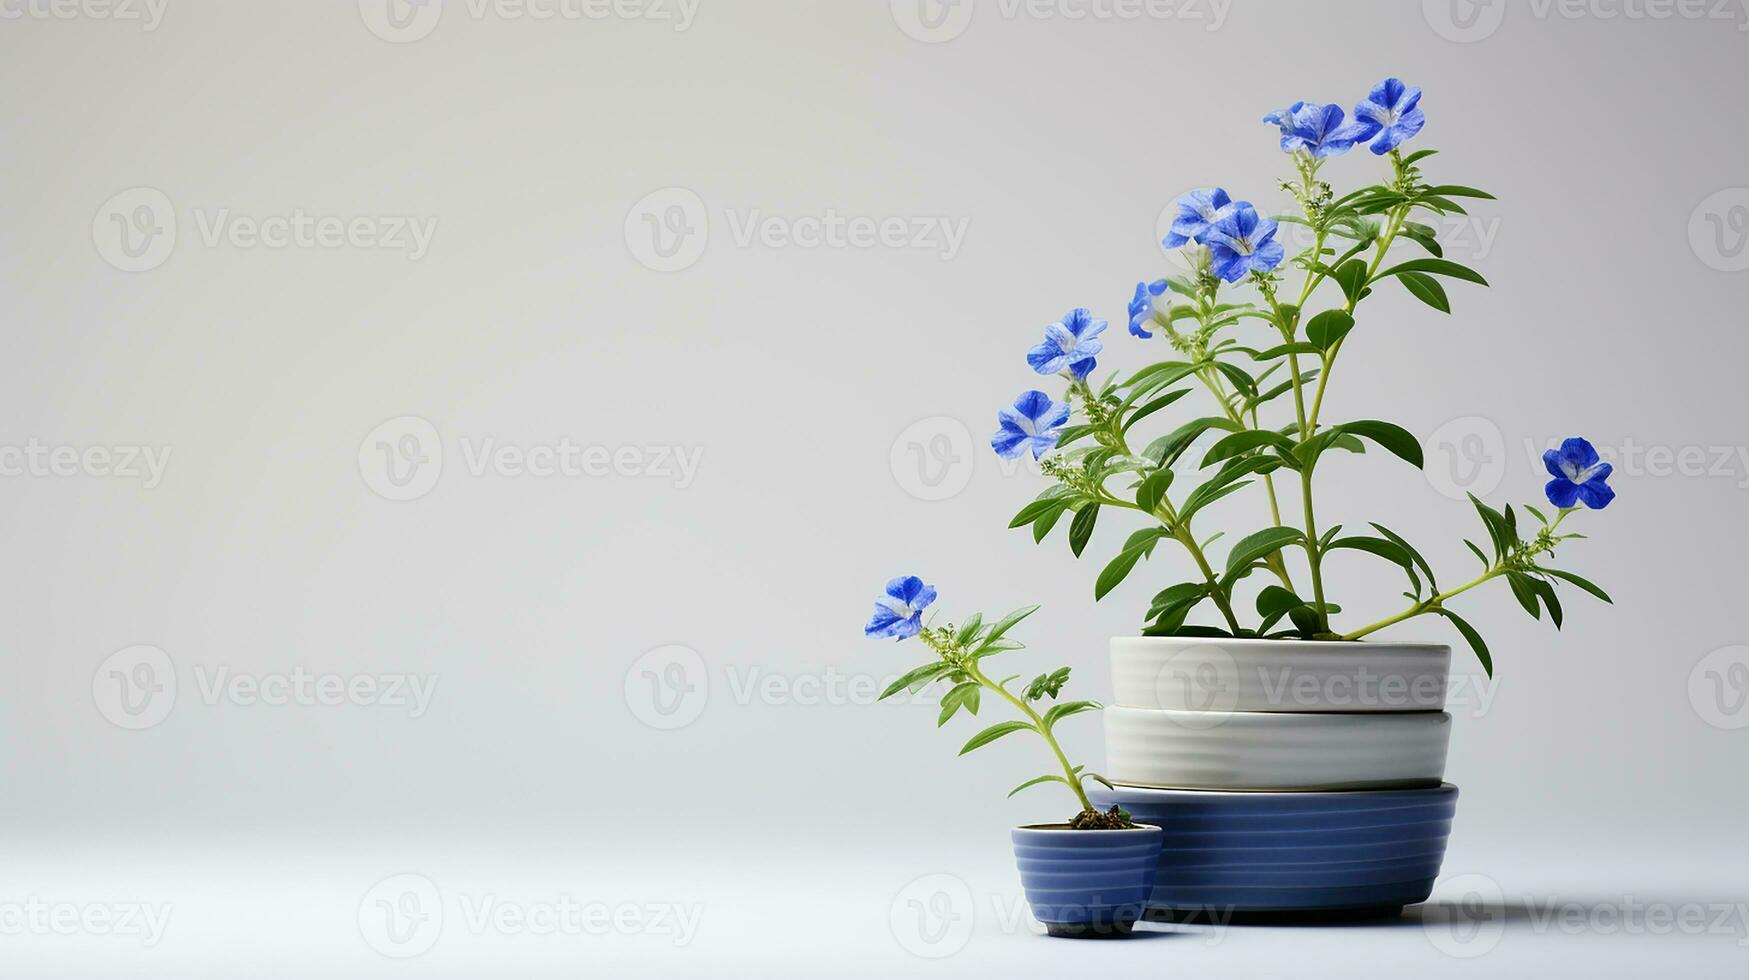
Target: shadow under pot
[1087,883]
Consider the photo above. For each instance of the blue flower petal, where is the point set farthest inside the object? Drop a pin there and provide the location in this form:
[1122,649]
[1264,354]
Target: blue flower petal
[1595,493]
[1562,492]
[1552,463]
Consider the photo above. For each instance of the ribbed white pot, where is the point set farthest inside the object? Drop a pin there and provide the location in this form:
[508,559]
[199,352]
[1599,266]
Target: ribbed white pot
[1283,716]
[1273,750]
[1277,675]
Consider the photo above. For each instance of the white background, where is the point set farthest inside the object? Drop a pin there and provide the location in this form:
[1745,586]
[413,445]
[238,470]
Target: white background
[836,402]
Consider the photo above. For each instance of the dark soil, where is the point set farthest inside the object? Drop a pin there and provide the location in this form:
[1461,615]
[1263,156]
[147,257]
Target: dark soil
[1116,818]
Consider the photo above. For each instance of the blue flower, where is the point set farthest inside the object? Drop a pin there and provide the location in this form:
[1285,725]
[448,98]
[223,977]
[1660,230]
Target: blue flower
[1242,241]
[899,613]
[1196,211]
[1032,422]
[1142,306]
[1070,342]
[1318,130]
[1579,474]
[1392,111]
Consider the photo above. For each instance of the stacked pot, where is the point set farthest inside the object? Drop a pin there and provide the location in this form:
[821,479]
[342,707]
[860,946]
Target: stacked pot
[1288,776]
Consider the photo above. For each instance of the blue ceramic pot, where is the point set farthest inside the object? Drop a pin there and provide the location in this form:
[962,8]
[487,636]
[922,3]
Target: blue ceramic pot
[1092,883]
[1267,854]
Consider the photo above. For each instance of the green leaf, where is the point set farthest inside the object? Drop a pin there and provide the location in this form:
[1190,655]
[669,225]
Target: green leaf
[1479,555]
[1082,528]
[1246,384]
[1225,482]
[1153,489]
[1581,583]
[1498,532]
[1008,622]
[1118,570]
[995,732]
[969,630]
[1154,406]
[1435,267]
[921,675]
[1260,545]
[1459,190]
[1522,591]
[1041,528]
[964,695]
[1351,276]
[1420,562]
[1166,449]
[1060,711]
[1037,509]
[1393,438]
[1035,782]
[1276,601]
[1474,638]
[1281,350]
[1101,780]
[1426,289]
[1384,548]
[1327,329]
[1243,442]
[1047,685]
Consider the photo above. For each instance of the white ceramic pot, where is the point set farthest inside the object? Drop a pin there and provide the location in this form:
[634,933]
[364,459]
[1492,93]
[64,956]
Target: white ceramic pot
[1193,674]
[1275,751]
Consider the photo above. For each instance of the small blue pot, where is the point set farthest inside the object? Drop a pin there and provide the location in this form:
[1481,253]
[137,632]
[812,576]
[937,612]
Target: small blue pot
[1088,883]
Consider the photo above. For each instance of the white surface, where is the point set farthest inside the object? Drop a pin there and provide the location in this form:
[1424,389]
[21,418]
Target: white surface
[1261,750]
[816,908]
[1277,675]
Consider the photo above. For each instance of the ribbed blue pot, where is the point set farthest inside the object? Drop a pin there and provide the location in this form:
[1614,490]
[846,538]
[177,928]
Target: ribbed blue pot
[1273,853]
[1092,883]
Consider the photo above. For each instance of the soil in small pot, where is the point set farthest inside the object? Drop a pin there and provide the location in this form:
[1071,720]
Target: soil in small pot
[1116,818]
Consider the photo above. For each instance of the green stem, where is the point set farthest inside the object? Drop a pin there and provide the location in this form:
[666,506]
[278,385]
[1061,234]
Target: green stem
[1169,516]
[1038,723]
[1425,606]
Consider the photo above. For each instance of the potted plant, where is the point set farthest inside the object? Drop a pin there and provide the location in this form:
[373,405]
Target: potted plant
[1090,876]
[1301,755]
